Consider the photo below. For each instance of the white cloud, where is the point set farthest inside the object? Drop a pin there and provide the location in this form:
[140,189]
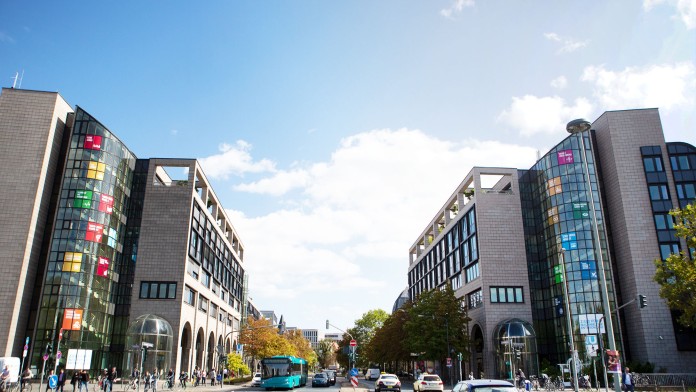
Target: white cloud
[281,183]
[667,86]
[456,7]
[532,115]
[568,45]
[686,10]
[560,82]
[234,160]
[357,216]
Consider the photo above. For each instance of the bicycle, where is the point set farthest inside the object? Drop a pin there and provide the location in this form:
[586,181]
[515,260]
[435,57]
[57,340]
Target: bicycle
[98,384]
[25,386]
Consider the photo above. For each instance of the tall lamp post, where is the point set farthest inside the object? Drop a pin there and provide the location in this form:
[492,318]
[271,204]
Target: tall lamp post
[580,126]
[571,338]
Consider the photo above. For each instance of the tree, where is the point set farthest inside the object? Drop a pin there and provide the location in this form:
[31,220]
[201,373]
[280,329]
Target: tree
[438,321]
[389,343]
[236,364]
[302,346]
[677,274]
[363,331]
[326,354]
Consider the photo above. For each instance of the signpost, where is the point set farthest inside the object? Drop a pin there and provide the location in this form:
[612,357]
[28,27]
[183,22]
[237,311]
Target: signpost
[353,343]
[354,381]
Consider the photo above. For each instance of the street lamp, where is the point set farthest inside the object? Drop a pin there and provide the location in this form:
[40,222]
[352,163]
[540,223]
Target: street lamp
[580,126]
[569,315]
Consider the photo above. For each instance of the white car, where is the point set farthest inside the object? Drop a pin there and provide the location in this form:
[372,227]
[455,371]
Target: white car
[387,382]
[256,380]
[428,382]
[372,374]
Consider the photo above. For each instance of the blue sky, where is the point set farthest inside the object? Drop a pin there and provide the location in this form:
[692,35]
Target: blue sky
[333,131]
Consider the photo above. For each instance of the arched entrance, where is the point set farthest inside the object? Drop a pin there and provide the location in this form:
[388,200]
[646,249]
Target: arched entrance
[186,347]
[200,347]
[477,346]
[515,343]
[150,340]
[211,352]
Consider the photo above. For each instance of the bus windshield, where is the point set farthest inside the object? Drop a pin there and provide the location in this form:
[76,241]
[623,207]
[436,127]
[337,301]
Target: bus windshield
[275,368]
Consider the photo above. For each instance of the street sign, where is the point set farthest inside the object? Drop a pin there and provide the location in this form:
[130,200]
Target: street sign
[26,341]
[24,354]
[354,381]
[53,381]
[58,355]
[353,372]
[45,357]
[449,362]
[353,343]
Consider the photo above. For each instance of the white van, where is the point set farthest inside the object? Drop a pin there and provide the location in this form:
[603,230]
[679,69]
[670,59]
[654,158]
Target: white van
[13,364]
[372,374]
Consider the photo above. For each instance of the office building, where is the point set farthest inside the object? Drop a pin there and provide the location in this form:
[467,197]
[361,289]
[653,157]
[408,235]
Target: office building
[587,221]
[106,255]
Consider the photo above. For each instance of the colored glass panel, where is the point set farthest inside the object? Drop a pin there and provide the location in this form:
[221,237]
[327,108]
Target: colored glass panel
[72,319]
[565,157]
[554,186]
[93,142]
[103,267]
[106,203]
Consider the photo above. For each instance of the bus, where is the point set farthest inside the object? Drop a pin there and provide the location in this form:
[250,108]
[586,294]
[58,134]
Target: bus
[285,372]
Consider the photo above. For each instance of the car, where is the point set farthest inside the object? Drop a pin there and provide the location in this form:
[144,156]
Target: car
[256,380]
[372,374]
[387,382]
[332,376]
[428,382]
[484,386]
[321,380]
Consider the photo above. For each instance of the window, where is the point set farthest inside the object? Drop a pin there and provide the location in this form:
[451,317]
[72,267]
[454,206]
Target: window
[472,272]
[203,304]
[193,269]
[475,299]
[652,164]
[157,290]
[205,279]
[686,191]
[659,192]
[664,222]
[667,249]
[506,295]
[680,162]
[213,310]
[189,296]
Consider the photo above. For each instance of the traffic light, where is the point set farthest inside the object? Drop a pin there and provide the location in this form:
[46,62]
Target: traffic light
[642,300]
[49,349]
[517,355]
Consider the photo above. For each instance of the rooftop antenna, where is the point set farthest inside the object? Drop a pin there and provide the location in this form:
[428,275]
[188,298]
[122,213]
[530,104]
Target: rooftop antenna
[538,155]
[16,77]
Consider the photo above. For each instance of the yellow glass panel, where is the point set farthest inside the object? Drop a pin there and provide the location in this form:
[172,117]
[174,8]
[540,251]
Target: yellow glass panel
[100,176]
[76,267]
[101,167]
[91,174]
[67,266]
[92,165]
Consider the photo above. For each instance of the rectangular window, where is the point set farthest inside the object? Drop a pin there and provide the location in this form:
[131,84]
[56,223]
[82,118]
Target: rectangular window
[189,296]
[667,249]
[664,222]
[205,279]
[506,294]
[686,191]
[193,269]
[475,299]
[659,192]
[472,272]
[157,290]
[474,248]
[653,164]
[203,304]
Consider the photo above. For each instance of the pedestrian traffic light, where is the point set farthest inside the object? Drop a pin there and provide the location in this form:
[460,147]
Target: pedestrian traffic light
[642,300]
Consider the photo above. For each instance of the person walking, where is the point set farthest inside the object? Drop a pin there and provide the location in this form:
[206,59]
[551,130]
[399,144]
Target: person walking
[520,378]
[212,377]
[75,381]
[628,381]
[50,373]
[61,380]
[110,378]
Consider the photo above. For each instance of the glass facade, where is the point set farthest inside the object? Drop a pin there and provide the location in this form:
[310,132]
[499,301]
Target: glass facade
[457,251]
[86,248]
[559,232]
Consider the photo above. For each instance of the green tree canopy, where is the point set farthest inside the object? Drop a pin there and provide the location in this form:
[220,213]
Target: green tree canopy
[325,353]
[236,364]
[677,274]
[437,320]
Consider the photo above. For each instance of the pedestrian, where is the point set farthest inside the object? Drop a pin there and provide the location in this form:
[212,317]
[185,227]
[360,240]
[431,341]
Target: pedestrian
[84,380]
[110,378]
[212,378]
[203,375]
[520,378]
[627,380]
[471,375]
[75,380]
[154,378]
[5,378]
[61,380]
